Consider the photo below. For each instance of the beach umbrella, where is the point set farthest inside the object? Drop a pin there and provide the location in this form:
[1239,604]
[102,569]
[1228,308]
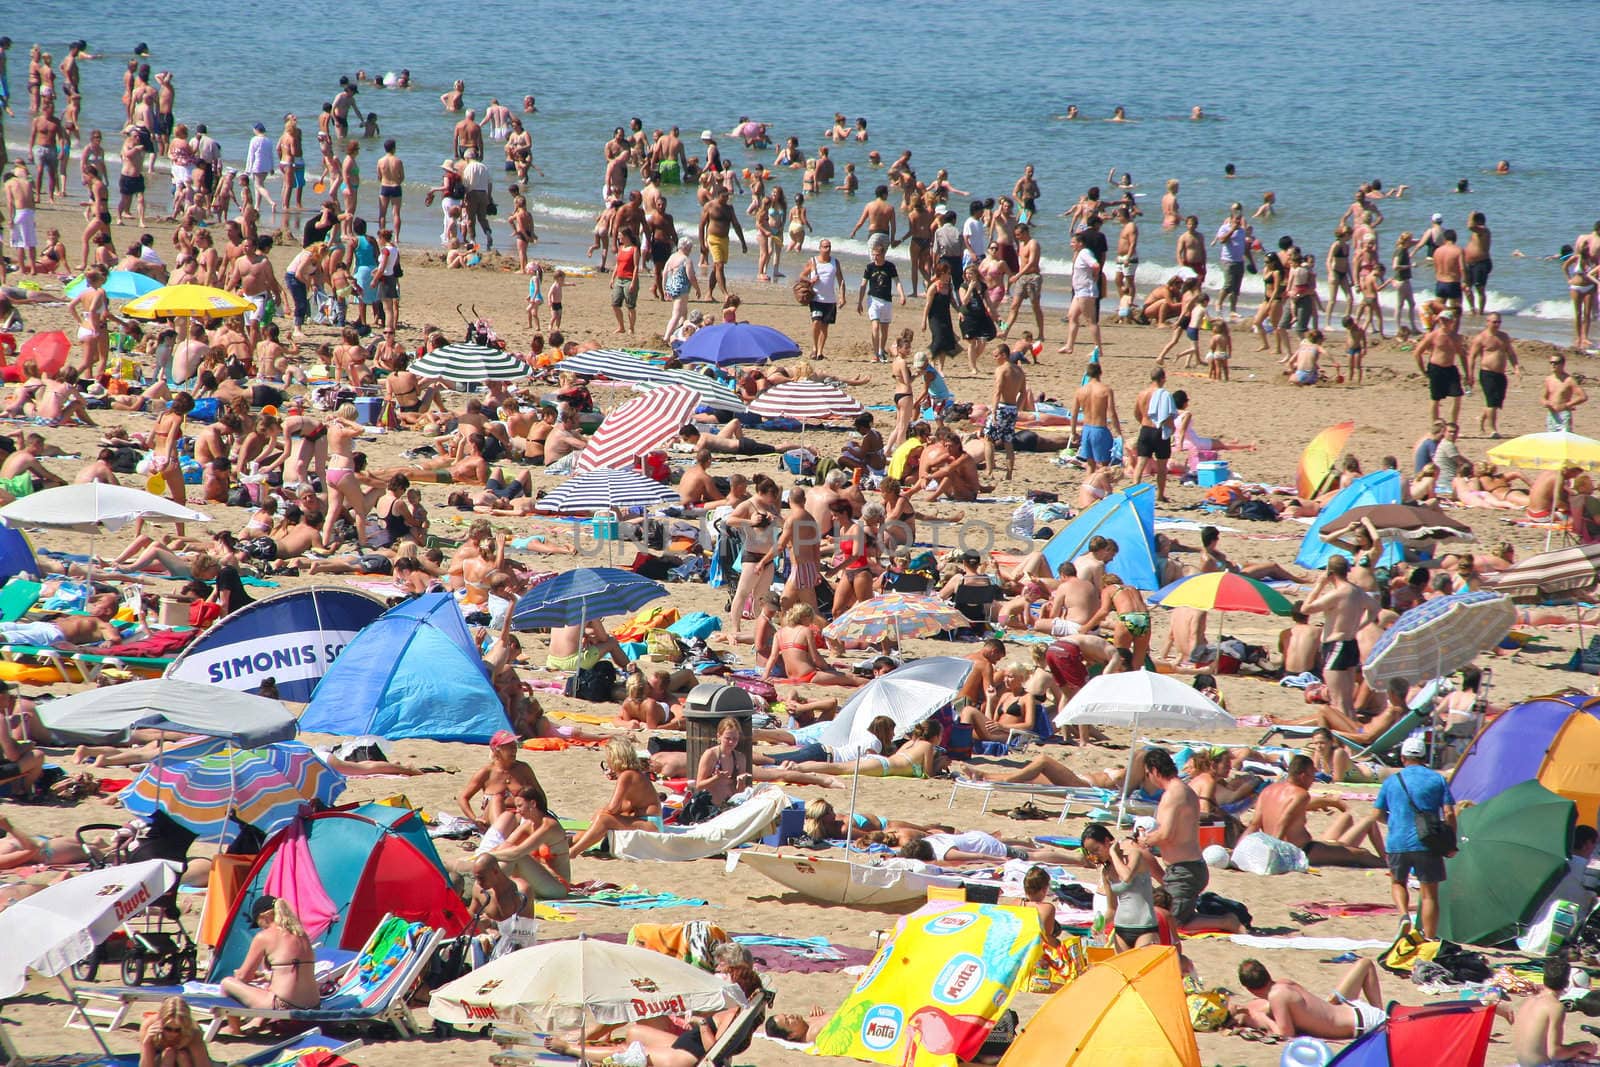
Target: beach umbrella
[94,508]
[937,986]
[636,427]
[1513,849]
[908,695]
[465,363]
[49,350]
[1222,592]
[264,787]
[60,925]
[808,401]
[1142,700]
[1548,451]
[727,343]
[573,597]
[1410,523]
[1320,457]
[1127,1011]
[1440,636]
[713,394]
[612,363]
[119,285]
[897,615]
[188,301]
[574,985]
[110,714]
[1563,571]
[607,489]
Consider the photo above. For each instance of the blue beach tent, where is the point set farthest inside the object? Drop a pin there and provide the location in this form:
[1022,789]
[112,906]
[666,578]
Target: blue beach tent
[16,555]
[414,672]
[1380,487]
[1127,517]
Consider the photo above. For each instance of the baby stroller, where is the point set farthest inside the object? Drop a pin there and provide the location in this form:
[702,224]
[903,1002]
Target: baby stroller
[152,942]
[479,331]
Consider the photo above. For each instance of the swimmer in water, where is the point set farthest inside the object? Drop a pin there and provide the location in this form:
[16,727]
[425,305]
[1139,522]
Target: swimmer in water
[1503,167]
[874,158]
[1119,114]
[527,106]
[1072,113]
[1197,114]
[1229,171]
[1463,186]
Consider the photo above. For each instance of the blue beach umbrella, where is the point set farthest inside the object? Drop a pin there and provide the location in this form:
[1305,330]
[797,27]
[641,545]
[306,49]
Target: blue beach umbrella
[573,597]
[1440,636]
[736,342]
[120,285]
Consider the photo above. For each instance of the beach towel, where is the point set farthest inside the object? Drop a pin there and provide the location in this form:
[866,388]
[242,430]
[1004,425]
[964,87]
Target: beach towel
[693,942]
[294,879]
[730,829]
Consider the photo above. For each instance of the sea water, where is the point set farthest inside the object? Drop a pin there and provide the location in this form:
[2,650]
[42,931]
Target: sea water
[1305,100]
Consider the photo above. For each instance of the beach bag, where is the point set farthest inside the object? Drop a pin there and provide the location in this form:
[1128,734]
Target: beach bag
[202,613]
[1436,835]
[1208,1008]
[597,684]
[800,461]
[664,645]
[697,808]
[804,291]
[1261,853]
[1409,948]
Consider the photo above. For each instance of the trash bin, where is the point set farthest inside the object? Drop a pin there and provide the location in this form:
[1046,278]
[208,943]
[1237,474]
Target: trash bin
[708,704]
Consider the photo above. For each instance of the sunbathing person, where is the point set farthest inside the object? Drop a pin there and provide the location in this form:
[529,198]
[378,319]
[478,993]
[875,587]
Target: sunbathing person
[823,823]
[971,846]
[634,804]
[279,971]
[1288,1009]
[665,1044]
[566,655]
[21,849]
[1333,759]
[1281,813]
[919,757]
[464,464]
[723,770]
[64,631]
[535,853]
[495,897]
[1048,770]
[729,441]
[795,645]
[168,1037]
[497,780]
[1331,718]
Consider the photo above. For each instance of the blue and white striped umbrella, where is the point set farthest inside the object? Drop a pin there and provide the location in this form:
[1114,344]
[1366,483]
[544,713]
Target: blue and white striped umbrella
[1440,636]
[572,597]
[601,489]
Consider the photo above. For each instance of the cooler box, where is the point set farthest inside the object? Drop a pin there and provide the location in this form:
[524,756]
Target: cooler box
[1213,472]
[791,824]
[1213,835]
[368,409]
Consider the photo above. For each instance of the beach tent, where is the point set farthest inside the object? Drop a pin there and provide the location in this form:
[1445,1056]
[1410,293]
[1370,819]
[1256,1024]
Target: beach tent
[359,864]
[16,554]
[1129,1010]
[291,638]
[1127,517]
[1380,487]
[1553,740]
[1455,1032]
[414,672]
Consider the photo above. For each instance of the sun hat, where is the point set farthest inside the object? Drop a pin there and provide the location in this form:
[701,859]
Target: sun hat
[1415,746]
[502,737]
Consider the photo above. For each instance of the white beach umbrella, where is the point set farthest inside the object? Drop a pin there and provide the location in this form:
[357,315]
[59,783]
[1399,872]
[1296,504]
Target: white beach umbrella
[58,926]
[94,508]
[567,985]
[907,694]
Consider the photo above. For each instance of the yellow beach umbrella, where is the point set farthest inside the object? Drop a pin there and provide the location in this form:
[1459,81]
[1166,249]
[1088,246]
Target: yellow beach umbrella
[1548,451]
[1320,457]
[198,301]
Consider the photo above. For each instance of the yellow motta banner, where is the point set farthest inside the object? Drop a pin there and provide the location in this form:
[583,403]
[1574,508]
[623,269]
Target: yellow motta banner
[936,988]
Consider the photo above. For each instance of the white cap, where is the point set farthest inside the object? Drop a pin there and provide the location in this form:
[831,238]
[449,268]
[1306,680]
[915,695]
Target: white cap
[1416,746]
[705,135]
[1437,217]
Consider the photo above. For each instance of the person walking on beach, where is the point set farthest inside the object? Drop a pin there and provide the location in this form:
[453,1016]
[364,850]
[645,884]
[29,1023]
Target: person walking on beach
[1085,308]
[1439,356]
[878,216]
[826,276]
[715,219]
[257,165]
[20,201]
[1562,396]
[1477,264]
[1491,352]
[391,186]
[1345,609]
[1092,406]
[1234,237]
[879,281]
[1027,285]
[1156,413]
[1010,386]
[1449,268]
[1415,788]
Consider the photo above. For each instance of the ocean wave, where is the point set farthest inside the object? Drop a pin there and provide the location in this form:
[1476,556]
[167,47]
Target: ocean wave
[562,211]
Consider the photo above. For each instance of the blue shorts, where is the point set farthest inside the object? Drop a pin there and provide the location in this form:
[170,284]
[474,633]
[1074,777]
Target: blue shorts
[298,179]
[1096,444]
[369,290]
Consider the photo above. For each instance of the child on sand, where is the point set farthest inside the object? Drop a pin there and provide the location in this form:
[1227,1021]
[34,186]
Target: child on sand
[535,294]
[556,289]
[1221,350]
[1355,346]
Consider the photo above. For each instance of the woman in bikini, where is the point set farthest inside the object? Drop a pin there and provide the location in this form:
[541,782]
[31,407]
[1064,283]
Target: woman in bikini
[535,851]
[305,449]
[899,525]
[795,645]
[823,823]
[905,409]
[758,522]
[168,1037]
[343,484]
[20,849]
[861,552]
[1130,617]
[282,954]
[723,771]
[634,804]
[497,780]
[919,757]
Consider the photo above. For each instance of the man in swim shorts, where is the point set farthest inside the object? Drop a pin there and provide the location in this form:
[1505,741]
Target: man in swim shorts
[715,220]
[1287,1009]
[1092,406]
[1439,356]
[20,201]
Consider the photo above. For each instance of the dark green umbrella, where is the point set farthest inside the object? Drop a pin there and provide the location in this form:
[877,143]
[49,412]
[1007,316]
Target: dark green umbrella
[1513,850]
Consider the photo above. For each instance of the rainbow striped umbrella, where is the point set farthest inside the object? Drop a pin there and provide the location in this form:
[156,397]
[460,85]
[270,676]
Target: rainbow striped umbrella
[1223,591]
[265,787]
[900,615]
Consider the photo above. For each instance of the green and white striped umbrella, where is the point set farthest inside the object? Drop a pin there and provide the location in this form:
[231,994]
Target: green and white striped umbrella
[470,363]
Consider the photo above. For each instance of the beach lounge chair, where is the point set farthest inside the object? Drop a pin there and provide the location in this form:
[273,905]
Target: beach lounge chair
[1383,748]
[520,1048]
[374,990]
[1087,798]
[284,1053]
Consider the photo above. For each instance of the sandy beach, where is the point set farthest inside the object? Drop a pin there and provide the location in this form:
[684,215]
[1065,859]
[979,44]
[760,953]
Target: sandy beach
[1257,405]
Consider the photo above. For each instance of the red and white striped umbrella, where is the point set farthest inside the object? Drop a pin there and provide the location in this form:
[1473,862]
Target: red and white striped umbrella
[807,401]
[638,426]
